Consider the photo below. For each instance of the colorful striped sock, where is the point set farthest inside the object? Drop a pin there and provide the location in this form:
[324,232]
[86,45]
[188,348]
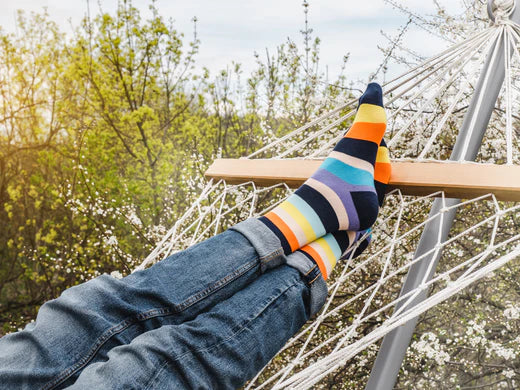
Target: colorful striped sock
[327,250]
[340,195]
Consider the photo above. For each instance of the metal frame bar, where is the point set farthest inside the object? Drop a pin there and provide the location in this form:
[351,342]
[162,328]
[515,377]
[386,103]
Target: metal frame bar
[393,348]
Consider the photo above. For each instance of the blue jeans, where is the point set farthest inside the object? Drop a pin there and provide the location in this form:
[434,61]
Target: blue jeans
[208,317]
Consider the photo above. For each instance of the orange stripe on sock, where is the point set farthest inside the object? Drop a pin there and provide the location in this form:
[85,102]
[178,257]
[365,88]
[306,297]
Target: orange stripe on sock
[367,131]
[286,231]
[382,172]
[317,258]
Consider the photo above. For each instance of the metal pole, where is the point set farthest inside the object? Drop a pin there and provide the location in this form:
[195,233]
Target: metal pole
[393,348]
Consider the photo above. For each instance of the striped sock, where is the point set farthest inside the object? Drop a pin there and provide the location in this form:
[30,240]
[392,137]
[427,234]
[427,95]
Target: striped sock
[343,185]
[327,250]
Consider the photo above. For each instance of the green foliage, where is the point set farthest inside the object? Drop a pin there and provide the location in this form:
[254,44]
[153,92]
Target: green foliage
[105,135]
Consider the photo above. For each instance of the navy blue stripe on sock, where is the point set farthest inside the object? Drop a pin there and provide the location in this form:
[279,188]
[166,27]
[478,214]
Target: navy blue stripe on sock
[372,95]
[321,205]
[381,192]
[365,150]
[342,240]
[366,204]
[285,244]
[361,247]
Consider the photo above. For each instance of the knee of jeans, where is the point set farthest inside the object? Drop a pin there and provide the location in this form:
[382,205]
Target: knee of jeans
[83,300]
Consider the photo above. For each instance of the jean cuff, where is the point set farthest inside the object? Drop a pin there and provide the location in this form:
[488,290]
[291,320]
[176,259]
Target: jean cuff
[314,279]
[271,255]
[265,242]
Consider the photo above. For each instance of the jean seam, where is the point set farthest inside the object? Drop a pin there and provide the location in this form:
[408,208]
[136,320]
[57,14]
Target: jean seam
[143,316]
[190,301]
[309,271]
[271,256]
[313,280]
[234,333]
[159,370]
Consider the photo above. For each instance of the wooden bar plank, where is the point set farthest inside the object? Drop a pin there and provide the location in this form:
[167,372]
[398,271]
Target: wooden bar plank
[457,180]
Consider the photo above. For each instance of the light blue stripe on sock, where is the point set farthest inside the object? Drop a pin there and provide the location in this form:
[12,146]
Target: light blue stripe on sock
[347,173]
[309,213]
[333,245]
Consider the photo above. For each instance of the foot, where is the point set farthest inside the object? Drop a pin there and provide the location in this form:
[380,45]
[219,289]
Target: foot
[341,194]
[327,250]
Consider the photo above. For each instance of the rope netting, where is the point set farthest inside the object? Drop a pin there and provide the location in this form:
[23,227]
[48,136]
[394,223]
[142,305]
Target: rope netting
[425,107]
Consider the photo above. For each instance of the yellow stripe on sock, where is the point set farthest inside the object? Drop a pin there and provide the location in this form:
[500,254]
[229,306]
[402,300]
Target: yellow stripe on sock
[323,258]
[382,155]
[370,113]
[300,220]
[292,225]
[328,250]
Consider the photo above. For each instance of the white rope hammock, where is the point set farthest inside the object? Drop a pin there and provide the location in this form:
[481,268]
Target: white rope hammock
[424,105]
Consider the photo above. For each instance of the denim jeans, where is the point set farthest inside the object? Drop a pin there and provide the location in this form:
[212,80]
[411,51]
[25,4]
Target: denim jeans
[207,317]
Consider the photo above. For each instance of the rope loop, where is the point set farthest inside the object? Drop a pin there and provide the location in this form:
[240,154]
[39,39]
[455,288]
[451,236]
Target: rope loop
[499,11]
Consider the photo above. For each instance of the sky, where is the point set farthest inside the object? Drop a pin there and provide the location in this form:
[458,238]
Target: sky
[232,30]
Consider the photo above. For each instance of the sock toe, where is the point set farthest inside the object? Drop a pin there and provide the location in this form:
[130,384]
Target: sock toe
[372,95]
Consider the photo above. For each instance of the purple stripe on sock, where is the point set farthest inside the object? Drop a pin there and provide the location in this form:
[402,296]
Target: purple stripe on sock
[338,185]
[343,190]
[353,219]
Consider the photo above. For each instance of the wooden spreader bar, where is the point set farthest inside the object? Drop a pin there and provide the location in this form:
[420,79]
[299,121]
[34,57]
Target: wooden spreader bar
[457,180]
